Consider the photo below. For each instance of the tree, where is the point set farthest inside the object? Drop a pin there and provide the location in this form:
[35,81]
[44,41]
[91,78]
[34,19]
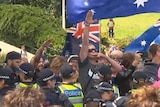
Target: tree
[30,26]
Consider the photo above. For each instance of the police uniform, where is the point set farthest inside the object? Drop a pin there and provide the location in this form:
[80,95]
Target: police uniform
[72,90]
[27,84]
[52,95]
[28,70]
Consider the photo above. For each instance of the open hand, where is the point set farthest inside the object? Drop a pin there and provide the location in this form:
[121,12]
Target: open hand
[89,18]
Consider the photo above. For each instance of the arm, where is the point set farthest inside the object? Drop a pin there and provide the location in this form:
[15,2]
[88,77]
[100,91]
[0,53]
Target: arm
[85,39]
[38,53]
[114,65]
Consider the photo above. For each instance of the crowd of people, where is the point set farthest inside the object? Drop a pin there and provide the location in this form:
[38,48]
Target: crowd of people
[90,79]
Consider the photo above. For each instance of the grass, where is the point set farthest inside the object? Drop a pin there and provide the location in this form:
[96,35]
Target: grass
[132,26]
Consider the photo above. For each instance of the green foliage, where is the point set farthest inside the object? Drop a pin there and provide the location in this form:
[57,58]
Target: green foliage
[29,25]
[2,58]
[52,7]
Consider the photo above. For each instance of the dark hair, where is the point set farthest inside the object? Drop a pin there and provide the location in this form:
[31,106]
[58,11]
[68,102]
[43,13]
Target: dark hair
[41,83]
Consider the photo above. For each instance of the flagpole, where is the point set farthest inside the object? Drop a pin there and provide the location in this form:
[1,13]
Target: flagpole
[99,35]
[63,15]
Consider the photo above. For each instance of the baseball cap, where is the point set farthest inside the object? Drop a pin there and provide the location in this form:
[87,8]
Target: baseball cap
[72,57]
[104,86]
[26,68]
[12,55]
[8,76]
[45,74]
[104,70]
[67,71]
[138,75]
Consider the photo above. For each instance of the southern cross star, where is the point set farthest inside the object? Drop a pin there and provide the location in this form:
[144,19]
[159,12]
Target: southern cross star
[140,2]
[143,43]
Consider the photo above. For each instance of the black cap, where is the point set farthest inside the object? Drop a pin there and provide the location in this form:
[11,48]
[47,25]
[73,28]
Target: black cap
[104,86]
[139,75]
[12,55]
[67,71]
[8,76]
[26,68]
[104,70]
[45,75]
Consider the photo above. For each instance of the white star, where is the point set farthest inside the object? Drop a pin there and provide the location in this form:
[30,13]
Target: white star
[143,43]
[140,2]
[86,3]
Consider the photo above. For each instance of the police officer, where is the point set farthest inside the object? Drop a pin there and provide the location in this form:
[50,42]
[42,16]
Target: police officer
[7,80]
[107,94]
[26,75]
[105,75]
[46,80]
[69,87]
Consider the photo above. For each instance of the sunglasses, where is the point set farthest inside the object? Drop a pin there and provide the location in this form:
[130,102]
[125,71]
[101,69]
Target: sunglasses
[92,50]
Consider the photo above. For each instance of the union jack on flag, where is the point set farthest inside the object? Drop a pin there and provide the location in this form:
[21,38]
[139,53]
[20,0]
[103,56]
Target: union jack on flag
[94,31]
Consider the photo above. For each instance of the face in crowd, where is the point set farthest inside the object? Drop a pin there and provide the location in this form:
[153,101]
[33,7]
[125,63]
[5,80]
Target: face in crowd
[92,52]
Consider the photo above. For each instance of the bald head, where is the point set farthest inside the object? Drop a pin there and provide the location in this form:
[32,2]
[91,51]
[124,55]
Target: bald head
[116,54]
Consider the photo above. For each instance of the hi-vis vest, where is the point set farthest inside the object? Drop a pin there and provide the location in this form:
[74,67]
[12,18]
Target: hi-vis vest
[74,92]
[26,85]
[116,91]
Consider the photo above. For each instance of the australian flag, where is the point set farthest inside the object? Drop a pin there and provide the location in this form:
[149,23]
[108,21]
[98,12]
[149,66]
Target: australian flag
[77,9]
[143,42]
[74,38]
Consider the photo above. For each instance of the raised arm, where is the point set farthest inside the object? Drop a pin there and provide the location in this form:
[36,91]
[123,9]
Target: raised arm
[38,53]
[114,65]
[85,38]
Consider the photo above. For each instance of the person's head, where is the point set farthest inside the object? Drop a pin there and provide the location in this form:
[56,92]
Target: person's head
[23,47]
[154,51]
[143,97]
[46,78]
[127,59]
[56,63]
[139,79]
[104,73]
[92,52]
[23,97]
[40,65]
[116,55]
[106,90]
[73,60]
[26,72]
[7,77]
[66,72]
[93,99]
[13,59]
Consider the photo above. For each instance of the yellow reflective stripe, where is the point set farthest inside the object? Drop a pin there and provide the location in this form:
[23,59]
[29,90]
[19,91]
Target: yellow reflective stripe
[116,90]
[25,85]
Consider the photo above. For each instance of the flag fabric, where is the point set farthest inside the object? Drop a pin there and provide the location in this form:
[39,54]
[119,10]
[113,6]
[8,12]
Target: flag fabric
[74,38]
[77,9]
[143,42]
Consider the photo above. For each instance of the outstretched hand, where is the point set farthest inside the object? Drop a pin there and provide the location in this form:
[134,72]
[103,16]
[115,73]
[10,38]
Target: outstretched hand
[48,42]
[89,18]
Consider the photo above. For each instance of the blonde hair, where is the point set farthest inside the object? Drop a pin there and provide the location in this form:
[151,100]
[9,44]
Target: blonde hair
[143,97]
[23,97]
